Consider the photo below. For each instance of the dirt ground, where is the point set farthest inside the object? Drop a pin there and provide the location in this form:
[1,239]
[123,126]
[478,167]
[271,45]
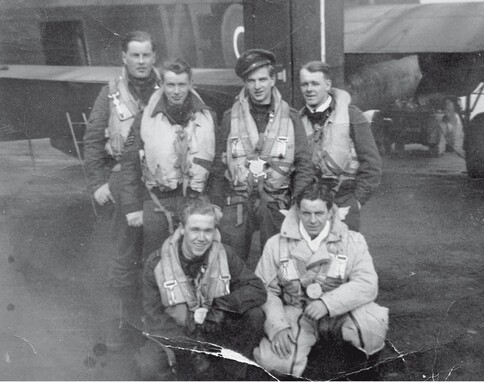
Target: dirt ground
[424,227]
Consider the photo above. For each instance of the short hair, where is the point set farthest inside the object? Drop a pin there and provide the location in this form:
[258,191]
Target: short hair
[318,66]
[177,66]
[198,206]
[317,190]
[139,36]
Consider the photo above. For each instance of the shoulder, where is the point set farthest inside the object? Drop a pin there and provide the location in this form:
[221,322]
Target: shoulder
[355,241]
[208,113]
[226,118]
[295,116]
[103,94]
[356,115]
[153,259]
[273,244]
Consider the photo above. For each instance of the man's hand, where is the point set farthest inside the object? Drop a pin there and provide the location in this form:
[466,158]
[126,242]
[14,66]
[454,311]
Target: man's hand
[315,310]
[103,195]
[282,343]
[135,219]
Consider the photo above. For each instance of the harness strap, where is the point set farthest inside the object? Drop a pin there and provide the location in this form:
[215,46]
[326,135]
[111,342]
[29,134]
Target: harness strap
[284,257]
[160,208]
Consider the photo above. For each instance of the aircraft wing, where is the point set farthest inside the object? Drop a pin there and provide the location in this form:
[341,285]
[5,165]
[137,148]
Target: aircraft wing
[102,74]
[415,28]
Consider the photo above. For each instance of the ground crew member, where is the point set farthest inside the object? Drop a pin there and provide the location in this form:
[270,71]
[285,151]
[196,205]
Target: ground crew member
[344,149]
[111,118]
[261,142]
[321,284]
[171,152]
[193,287]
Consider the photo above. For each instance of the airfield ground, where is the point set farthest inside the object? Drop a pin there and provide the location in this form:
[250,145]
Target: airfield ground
[424,226]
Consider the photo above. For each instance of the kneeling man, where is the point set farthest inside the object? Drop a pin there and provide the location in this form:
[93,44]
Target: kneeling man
[193,287]
[321,284]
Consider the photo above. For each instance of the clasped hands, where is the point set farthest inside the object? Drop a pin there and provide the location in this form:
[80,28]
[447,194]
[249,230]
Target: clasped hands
[282,342]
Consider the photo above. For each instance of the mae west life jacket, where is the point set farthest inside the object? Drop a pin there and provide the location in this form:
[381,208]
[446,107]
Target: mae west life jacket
[123,109]
[176,291]
[174,154]
[334,150]
[277,150]
[329,271]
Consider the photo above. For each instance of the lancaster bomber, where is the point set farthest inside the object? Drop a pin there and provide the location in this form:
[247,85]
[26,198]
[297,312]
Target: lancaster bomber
[56,54]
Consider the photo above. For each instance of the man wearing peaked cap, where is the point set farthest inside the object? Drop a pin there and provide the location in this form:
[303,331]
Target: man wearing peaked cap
[261,143]
[253,59]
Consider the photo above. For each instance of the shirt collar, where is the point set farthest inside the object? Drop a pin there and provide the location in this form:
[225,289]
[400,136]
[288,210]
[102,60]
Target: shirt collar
[326,104]
[197,105]
[315,243]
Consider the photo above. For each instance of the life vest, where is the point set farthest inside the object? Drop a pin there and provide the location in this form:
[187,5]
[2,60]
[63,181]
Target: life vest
[277,148]
[177,294]
[175,154]
[123,109]
[329,271]
[334,150]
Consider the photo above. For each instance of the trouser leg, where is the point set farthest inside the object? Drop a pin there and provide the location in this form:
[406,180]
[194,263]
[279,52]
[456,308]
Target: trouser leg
[241,333]
[304,332]
[270,222]
[125,268]
[353,338]
[237,236]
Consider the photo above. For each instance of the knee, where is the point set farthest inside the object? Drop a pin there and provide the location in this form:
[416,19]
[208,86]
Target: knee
[254,319]
[152,363]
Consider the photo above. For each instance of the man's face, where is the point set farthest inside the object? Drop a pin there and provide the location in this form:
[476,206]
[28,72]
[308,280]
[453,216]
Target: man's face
[139,58]
[176,87]
[198,235]
[259,84]
[313,214]
[314,87]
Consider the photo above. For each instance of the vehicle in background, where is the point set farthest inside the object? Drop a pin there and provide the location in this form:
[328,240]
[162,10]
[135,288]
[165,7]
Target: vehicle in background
[444,39]
[56,54]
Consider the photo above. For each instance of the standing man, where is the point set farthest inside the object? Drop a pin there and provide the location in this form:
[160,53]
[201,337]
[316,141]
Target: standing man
[261,142]
[194,288]
[343,146]
[321,285]
[111,118]
[170,156]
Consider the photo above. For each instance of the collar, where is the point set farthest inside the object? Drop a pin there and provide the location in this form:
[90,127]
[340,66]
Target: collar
[315,243]
[196,104]
[151,80]
[290,226]
[325,105]
[254,108]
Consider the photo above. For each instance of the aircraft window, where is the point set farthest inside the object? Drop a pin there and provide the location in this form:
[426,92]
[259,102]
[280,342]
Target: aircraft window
[63,43]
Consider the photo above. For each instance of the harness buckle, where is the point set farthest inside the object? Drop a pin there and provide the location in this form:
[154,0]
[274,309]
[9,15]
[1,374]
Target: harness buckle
[115,98]
[233,144]
[226,279]
[285,268]
[170,286]
[256,167]
[281,146]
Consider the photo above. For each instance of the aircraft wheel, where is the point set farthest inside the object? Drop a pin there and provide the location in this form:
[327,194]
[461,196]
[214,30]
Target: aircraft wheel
[475,147]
